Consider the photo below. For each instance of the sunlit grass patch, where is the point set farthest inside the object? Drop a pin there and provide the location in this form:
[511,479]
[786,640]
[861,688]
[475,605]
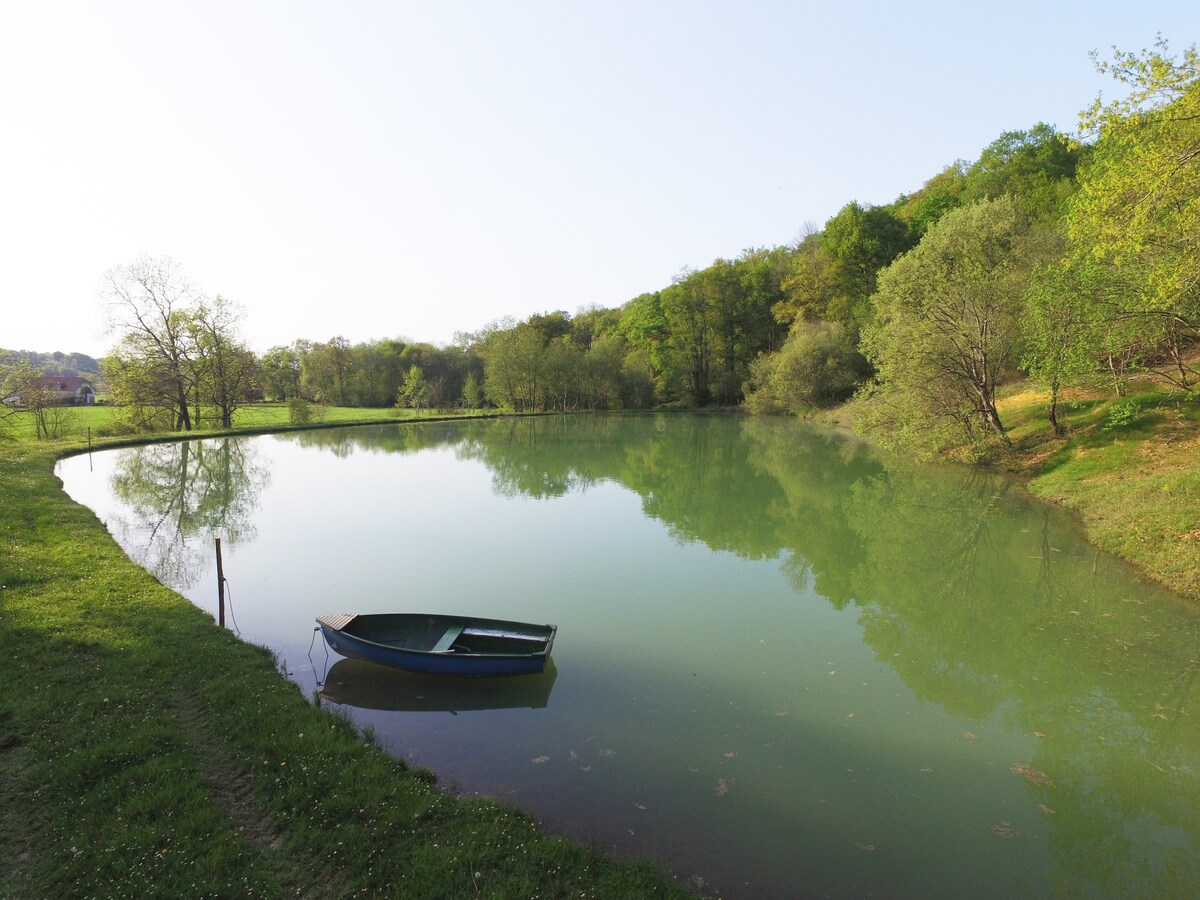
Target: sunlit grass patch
[1127,464]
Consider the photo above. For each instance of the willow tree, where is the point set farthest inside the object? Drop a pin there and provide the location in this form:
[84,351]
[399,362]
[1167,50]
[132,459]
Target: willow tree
[946,327]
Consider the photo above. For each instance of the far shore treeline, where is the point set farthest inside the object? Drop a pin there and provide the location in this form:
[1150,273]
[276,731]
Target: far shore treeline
[1071,261]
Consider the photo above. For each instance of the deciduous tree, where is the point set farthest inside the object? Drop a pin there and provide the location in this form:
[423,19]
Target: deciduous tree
[223,367]
[148,307]
[1138,206]
[946,326]
[414,392]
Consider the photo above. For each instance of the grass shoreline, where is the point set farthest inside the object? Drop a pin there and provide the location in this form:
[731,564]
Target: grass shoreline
[146,752]
[1128,467]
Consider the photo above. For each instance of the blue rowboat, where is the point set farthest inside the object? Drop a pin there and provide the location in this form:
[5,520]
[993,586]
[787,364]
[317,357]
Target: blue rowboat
[440,645]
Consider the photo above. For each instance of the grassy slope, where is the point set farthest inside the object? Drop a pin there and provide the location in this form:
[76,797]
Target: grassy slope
[145,752]
[1130,467]
[1134,482]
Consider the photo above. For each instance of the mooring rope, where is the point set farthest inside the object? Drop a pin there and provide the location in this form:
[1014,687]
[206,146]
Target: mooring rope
[325,671]
[232,618]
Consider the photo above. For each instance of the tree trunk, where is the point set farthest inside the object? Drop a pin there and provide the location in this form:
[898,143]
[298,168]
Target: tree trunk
[1052,411]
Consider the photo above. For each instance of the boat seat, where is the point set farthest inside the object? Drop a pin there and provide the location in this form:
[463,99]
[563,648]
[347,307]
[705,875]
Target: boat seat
[448,639]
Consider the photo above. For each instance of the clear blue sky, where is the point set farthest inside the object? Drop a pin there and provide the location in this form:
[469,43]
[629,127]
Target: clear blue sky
[383,169]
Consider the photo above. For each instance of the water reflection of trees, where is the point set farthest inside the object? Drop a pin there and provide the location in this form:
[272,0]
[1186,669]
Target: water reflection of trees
[983,602]
[180,494]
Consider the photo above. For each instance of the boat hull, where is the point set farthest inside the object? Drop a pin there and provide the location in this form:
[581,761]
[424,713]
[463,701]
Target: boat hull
[424,644]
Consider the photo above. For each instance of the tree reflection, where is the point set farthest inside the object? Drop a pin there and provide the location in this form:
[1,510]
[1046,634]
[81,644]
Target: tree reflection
[984,603]
[989,605]
[992,607]
[179,495]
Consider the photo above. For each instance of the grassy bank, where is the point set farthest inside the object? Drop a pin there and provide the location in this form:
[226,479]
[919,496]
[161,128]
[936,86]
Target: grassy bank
[145,752]
[1129,465]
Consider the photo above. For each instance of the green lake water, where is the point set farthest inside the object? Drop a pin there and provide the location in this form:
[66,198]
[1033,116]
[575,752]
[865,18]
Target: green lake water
[786,665]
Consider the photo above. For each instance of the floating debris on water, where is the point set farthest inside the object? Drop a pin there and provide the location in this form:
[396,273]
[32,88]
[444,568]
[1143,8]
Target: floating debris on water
[1032,775]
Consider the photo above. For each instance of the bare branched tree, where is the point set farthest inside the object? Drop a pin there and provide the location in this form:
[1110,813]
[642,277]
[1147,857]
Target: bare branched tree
[147,305]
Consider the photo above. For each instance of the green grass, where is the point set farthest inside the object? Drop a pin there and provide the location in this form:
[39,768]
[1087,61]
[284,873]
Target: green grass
[146,752]
[1129,465]
[73,423]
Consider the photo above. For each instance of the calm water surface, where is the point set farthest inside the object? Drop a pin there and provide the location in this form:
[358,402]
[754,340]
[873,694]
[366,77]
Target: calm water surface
[786,666]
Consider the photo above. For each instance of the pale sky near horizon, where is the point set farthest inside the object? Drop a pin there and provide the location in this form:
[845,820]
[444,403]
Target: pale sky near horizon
[376,169]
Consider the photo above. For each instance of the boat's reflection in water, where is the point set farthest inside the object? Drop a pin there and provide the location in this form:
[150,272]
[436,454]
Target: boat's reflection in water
[352,682]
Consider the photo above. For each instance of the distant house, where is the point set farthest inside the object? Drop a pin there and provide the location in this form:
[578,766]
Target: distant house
[72,390]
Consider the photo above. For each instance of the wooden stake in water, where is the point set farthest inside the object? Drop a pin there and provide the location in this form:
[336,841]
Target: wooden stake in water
[220,588]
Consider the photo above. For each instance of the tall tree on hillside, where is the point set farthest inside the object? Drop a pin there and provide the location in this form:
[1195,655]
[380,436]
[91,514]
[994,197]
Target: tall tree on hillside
[644,327]
[724,295]
[1138,207]
[946,326]
[148,306]
[940,194]
[690,338]
[1035,167]
[808,282]
[761,272]
[1063,338]
[861,240]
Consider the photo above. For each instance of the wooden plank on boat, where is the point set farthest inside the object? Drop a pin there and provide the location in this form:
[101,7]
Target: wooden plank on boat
[497,632]
[337,622]
[448,639]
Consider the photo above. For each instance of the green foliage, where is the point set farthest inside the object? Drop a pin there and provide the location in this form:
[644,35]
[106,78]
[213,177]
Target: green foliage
[279,373]
[368,375]
[1123,414]
[299,411]
[940,194]
[472,393]
[716,320]
[946,328]
[1137,213]
[56,363]
[861,241]
[818,366]
[573,368]
[808,282]
[1064,339]
[415,391]
[1035,167]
